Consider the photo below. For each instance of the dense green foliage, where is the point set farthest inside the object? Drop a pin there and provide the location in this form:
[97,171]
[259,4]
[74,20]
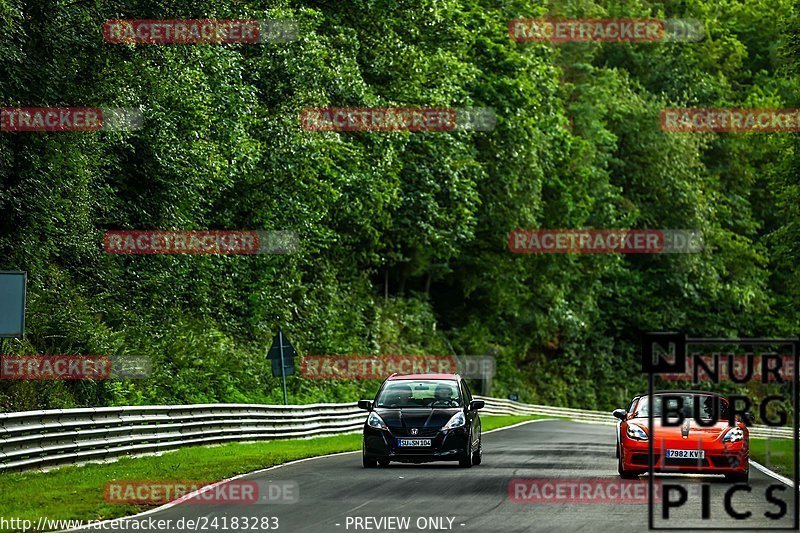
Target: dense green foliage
[423,217]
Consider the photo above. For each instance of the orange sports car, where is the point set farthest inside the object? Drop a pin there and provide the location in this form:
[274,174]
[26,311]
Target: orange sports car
[702,444]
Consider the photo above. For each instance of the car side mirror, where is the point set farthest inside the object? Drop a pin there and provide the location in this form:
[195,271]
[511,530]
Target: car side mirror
[622,414]
[365,405]
[474,405]
[749,419]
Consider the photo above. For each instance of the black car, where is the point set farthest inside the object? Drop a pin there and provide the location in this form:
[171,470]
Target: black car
[418,418]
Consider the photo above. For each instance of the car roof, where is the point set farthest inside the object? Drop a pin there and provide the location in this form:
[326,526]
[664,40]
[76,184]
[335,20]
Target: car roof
[660,392]
[682,391]
[398,377]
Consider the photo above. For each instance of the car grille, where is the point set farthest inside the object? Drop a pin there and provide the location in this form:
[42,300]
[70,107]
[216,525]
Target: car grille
[721,461]
[423,432]
[685,462]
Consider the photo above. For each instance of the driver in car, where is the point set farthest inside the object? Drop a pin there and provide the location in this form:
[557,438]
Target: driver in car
[443,395]
[404,396]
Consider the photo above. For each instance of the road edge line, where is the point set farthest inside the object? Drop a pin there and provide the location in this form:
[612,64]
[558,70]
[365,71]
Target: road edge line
[772,474]
[206,488]
[518,424]
[199,491]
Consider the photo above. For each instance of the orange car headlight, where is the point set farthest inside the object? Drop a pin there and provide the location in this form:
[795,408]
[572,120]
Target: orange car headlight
[636,432]
[735,434]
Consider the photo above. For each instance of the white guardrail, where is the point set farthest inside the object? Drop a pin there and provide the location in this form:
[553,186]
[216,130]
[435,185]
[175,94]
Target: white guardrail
[37,438]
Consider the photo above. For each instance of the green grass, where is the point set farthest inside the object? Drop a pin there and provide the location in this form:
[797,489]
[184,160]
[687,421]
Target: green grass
[76,492]
[493,422]
[775,454]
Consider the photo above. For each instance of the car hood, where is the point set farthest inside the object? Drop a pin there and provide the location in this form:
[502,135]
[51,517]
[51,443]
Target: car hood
[417,417]
[690,428]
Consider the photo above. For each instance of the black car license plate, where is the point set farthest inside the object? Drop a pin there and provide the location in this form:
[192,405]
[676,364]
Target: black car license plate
[414,443]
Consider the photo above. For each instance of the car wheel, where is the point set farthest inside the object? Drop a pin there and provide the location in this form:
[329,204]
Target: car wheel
[624,474]
[384,462]
[368,463]
[477,456]
[466,461]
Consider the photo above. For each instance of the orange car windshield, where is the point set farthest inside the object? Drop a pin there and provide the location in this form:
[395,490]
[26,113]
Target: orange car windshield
[705,404]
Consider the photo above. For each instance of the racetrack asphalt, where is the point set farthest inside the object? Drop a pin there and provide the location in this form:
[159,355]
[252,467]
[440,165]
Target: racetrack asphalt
[336,491]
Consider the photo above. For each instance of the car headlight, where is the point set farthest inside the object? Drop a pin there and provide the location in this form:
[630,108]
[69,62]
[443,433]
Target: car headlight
[636,432]
[735,434]
[456,421]
[375,421]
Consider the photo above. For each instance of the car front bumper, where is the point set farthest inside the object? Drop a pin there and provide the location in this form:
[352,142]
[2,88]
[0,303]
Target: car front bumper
[450,445]
[719,459]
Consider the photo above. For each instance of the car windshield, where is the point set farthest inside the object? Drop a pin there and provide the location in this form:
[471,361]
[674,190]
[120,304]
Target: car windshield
[706,405]
[419,393]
